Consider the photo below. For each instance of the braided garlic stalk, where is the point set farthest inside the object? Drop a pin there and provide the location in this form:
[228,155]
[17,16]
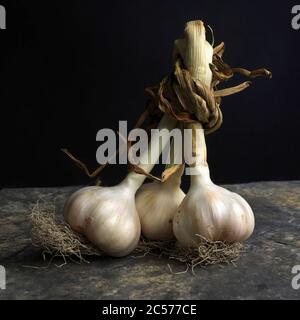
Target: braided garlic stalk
[207,210]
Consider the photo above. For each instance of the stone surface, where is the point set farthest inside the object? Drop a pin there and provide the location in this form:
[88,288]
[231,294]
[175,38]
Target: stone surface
[262,272]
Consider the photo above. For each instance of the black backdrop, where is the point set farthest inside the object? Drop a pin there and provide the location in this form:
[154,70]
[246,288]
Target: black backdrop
[70,68]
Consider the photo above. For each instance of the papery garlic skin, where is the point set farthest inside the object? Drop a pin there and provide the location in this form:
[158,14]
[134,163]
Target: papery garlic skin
[77,207]
[156,205]
[113,225]
[106,216]
[214,213]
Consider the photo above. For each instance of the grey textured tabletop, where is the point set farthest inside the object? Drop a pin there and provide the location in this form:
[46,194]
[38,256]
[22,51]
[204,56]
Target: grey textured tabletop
[264,271]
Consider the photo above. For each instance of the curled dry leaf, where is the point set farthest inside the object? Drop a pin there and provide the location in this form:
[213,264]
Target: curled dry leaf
[167,173]
[187,100]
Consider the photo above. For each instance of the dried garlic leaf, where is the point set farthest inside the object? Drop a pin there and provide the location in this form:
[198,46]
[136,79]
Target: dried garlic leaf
[232,90]
[140,170]
[262,72]
[170,171]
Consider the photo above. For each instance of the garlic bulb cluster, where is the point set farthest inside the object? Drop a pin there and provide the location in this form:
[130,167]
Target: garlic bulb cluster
[157,203]
[112,218]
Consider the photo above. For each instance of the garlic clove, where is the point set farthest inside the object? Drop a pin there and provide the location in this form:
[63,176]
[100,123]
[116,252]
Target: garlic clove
[156,204]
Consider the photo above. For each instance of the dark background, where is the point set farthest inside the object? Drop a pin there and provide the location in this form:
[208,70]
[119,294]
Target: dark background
[70,68]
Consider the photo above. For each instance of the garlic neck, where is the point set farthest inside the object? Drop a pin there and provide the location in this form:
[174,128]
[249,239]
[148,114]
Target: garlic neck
[135,180]
[199,169]
[201,177]
[198,54]
[174,181]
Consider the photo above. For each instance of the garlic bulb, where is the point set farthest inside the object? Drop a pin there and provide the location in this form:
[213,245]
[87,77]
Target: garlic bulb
[208,210]
[157,203]
[107,216]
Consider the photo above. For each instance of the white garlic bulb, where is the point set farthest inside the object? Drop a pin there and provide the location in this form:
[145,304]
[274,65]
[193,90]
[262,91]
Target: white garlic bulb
[156,205]
[214,213]
[107,216]
[208,210]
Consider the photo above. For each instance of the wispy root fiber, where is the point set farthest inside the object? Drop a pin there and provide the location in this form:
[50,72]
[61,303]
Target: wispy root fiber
[56,238]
